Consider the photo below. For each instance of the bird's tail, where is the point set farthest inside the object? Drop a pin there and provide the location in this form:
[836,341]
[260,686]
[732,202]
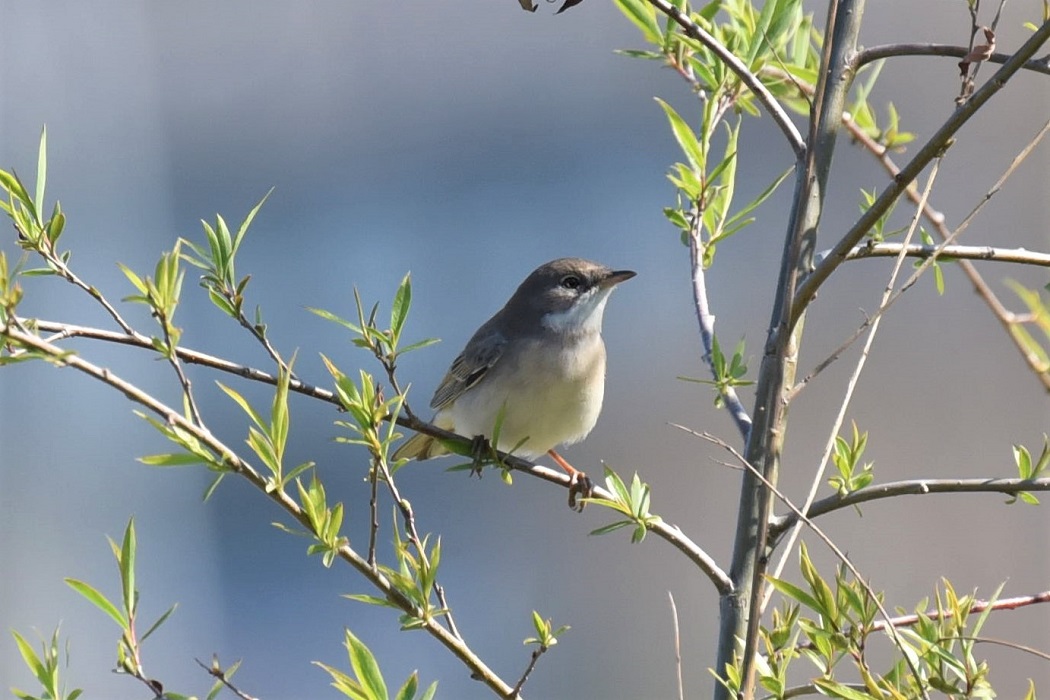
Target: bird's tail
[420,446]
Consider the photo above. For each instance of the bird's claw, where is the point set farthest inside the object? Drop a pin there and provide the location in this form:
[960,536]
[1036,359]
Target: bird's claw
[479,450]
[580,485]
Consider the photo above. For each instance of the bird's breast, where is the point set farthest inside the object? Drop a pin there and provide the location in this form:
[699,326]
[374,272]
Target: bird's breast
[548,392]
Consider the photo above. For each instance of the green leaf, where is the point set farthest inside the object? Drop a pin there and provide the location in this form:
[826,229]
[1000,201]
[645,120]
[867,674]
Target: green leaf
[247,222]
[173,459]
[685,136]
[31,659]
[245,406]
[127,567]
[98,600]
[399,310]
[643,16]
[365,667]
[160,621]
[41,170]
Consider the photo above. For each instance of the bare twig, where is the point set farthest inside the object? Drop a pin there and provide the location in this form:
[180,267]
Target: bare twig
[533,659]
[216,672]
[373,510]
[851,386]
[1006,318]
[933,148]
[184,381]
[877,53]
[409,517]
[706,321]
[910,487]
[677,646]
[260,335]
[839,554]
[951,253]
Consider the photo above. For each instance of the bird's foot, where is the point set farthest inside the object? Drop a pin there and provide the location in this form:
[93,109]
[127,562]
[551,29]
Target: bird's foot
[580,485]
[480,451]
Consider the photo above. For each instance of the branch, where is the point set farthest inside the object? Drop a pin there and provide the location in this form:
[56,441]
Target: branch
[948,253]
[764,96]
[216,672]
[671,533]
[706,320]
[875,53]
[839,554]
[934,147]
[242,468]
[851,385]
[910,487]
[936,219]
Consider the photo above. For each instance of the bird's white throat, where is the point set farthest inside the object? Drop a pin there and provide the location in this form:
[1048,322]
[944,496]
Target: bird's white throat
[583,317]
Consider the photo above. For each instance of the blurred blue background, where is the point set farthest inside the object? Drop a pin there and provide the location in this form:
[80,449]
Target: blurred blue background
[467,143]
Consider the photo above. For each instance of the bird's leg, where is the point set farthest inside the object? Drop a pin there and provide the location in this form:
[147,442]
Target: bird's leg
[480,449]
[579,483]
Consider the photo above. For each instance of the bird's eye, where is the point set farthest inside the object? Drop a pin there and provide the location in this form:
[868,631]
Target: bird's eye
[570,281]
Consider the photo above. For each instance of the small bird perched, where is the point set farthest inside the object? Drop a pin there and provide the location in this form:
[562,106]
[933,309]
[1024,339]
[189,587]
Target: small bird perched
[540,361]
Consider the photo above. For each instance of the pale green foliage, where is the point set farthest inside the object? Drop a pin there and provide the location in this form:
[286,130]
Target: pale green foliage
[367,682]
[835,625]
[632,502]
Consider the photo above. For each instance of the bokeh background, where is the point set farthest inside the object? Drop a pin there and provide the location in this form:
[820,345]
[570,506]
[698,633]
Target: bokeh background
[468,142]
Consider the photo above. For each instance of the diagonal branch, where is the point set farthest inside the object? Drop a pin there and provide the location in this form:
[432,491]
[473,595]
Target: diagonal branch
[933,148]
[670,533]
[242,468]
[764,96]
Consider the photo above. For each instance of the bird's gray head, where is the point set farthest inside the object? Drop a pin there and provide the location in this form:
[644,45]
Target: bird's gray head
[566,295]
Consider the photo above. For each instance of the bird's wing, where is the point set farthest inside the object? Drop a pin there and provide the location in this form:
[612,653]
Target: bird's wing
[482,353]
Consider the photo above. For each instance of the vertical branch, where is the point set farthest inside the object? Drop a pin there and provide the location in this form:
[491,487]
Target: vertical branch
[779,360]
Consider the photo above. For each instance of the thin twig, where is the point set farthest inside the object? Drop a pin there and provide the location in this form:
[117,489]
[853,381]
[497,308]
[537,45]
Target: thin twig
[670,533]
[184,381]
[950,253]
[65,273]
[677,646]
[242,468]
[877,53]
[409,518]
[217,673]
[1006,318]
[534,658]
[839,554]
[933,148]
[260,335]
[706,321]
[373,510]
[851,385]
[909,487]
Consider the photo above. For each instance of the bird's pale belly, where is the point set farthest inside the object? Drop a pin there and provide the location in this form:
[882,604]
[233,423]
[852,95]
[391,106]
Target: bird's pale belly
[560,410]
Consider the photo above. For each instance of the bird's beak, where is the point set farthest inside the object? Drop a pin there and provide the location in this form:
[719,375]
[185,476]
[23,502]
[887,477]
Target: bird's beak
[615,277]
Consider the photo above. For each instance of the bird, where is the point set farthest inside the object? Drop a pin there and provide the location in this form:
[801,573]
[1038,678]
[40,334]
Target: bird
[537,366]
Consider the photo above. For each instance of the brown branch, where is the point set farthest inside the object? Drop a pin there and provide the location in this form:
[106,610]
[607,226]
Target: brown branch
[670,533]
[951,253]
[242,468]
[876,53]
[910,487]
[936,218]
[934,147]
